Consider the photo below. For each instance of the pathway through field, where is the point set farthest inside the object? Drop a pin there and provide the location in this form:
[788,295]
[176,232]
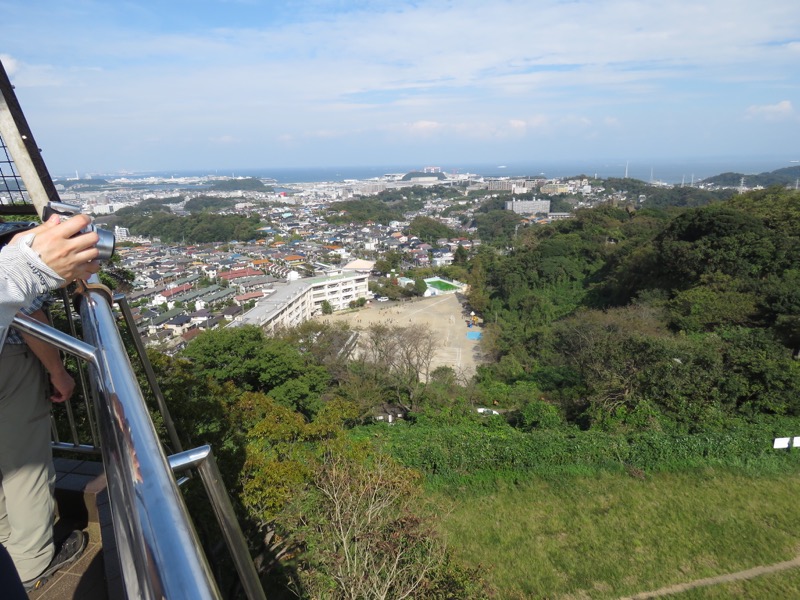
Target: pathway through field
[708,581]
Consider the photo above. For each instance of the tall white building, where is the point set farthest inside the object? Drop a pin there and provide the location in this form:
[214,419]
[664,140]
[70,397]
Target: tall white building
[528,207]
[297,301]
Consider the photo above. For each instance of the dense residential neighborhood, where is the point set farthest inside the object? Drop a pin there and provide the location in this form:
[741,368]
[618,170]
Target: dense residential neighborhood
[310,252]
[302,265]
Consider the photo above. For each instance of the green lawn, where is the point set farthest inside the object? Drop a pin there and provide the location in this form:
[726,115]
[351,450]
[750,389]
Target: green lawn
[614,535]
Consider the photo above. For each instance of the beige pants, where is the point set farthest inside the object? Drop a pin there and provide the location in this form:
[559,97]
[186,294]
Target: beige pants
[27,477]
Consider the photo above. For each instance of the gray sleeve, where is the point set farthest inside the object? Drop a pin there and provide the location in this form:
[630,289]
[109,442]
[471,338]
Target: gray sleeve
[23,276]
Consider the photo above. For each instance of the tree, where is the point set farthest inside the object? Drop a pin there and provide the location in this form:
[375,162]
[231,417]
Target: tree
[389,262]
[363,535]
[497,227]
[429,230]
[400,357]
[327,309]
[717,239]
[251,361]
[460,256]
[613,352]
[716,302]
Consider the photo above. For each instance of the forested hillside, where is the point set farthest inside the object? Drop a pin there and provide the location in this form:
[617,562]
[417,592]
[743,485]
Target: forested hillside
[678,320]
[788,176]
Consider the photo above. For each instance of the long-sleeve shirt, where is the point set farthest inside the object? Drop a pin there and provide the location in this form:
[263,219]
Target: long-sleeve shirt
[23,277]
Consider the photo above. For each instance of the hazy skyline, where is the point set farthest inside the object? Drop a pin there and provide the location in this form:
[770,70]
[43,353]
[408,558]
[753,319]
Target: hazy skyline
[233,84]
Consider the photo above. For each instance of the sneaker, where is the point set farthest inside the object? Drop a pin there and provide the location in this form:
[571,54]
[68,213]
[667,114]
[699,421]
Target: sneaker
[69,551]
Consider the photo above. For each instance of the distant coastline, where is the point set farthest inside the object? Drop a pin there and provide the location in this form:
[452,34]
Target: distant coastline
[666,171]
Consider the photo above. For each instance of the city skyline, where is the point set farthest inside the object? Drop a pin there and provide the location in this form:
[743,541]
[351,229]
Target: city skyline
[227,84]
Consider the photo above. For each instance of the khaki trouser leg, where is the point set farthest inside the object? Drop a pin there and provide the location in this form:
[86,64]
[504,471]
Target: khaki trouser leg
[27,477]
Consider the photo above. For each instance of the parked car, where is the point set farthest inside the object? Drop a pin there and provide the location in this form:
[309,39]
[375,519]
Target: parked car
[487,411]
[383,299]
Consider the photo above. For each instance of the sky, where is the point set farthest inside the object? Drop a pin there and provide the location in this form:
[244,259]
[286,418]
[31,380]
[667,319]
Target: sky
[153,85]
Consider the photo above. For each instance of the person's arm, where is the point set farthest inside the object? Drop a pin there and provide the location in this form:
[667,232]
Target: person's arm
[41,260]
[23,277]
[50,357]
[71,254]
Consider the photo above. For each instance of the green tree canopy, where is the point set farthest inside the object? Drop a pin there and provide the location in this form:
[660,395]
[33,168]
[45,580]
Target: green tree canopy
[247,358]
[429,230]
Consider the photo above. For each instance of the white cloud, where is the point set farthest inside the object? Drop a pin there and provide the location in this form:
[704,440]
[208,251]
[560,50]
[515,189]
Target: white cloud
[781,111]
[10,64]
[538,121]
[458,73]
[326,134]
[223,139]
[425,127]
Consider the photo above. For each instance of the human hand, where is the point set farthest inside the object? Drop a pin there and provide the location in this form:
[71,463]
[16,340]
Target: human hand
[63,385]
[70,255]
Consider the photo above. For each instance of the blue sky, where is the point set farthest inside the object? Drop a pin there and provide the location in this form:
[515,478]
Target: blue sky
[232,84]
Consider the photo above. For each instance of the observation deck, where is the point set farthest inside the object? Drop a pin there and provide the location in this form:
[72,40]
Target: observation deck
[82,503]
[126,491]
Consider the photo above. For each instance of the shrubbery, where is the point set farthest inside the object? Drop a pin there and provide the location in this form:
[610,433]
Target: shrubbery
[463,449]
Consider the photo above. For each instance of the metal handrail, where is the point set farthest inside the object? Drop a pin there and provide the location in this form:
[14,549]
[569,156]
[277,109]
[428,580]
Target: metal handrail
[203,459]
[145,500]
[125,309]
[159,551]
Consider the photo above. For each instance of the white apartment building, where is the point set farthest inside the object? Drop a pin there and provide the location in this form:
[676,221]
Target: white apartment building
[528,207]
[555,188]
[500,185]
[297,301]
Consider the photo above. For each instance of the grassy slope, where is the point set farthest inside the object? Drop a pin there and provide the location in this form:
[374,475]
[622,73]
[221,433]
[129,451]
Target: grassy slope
[614,535]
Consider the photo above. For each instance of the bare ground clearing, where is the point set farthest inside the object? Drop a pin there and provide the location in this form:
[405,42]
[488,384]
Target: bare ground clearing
[443,314]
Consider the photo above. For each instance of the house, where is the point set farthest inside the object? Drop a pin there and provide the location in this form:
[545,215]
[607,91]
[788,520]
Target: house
[293,259]
[389,413]
[400,237]
[261,263]
[441,258]
[251,284]
[148,280]
[200,316]
[179,324]
[239,273]
[189,335]
[213,298]
[168,296]
[245,298]
[145,294]
[231,312]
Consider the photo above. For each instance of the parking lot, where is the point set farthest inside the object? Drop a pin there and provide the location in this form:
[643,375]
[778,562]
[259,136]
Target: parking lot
[443,314]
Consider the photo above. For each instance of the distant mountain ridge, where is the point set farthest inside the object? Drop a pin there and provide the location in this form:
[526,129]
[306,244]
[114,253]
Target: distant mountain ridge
[785,176]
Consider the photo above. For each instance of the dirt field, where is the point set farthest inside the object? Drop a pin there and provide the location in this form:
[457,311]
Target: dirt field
[443,314]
